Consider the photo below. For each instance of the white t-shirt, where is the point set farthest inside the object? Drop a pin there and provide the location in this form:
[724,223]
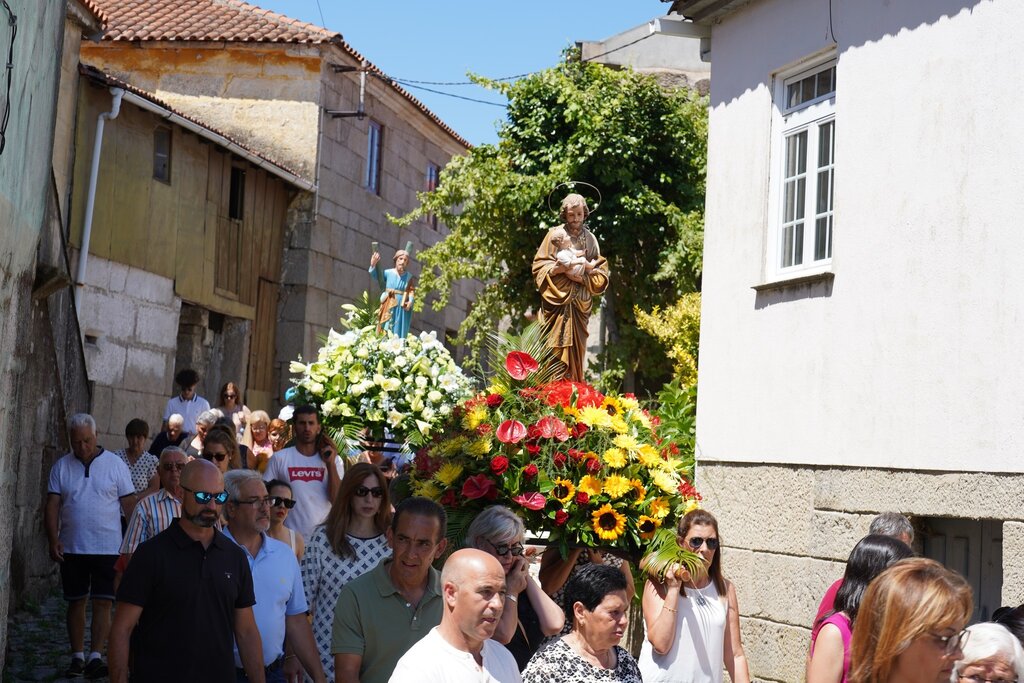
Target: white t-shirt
[90,507]
[434,660]
[308,476]
[189,410]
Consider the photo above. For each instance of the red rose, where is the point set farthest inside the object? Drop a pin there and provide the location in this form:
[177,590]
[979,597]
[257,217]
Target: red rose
[582,497]
[531,501]
[579,429]
[576,454]
[520,364]
[479,486]
[593,465]
[511,431]
[533,449]
[530,471]
[561,517]
[495,400]
[448,498]
[560,460]
[499,464]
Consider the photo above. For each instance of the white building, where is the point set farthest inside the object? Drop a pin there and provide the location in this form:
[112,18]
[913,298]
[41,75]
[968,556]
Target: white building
[863,312]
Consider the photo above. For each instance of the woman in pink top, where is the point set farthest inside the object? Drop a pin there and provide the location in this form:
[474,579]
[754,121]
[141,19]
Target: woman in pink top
[829,659]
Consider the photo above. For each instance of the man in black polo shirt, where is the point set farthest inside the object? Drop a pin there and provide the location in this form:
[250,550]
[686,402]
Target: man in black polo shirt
[186,597]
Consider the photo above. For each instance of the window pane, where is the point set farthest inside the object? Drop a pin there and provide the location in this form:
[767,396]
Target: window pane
[787,247]
[823,238]
[793,94]
[796,154]
[824,201]
[808,89]
[800,197]
[798,245]
[826,145]
[826,81]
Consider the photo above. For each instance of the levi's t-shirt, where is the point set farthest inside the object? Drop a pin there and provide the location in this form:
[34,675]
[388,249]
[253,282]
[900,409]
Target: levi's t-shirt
[308,476]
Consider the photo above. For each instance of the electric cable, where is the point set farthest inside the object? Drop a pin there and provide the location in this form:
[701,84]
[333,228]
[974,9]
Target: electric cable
[13,19]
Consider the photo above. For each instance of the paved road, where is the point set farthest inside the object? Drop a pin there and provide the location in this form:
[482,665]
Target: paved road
[37,644]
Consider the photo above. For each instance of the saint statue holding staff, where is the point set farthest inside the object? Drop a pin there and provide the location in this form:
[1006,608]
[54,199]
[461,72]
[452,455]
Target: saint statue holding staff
[395,313]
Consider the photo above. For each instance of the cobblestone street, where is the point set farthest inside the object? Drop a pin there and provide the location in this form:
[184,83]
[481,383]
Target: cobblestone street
[37,648]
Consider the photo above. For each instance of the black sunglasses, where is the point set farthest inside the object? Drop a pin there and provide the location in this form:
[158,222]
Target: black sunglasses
[278,501]
[696,542]
[505,548]
[214,456]
[362,491]
[203,497]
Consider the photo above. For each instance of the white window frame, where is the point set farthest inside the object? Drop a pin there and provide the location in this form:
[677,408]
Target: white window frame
[807,117]
[374,152]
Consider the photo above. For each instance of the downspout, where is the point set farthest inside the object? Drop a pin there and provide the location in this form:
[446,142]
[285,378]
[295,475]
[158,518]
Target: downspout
[90,202]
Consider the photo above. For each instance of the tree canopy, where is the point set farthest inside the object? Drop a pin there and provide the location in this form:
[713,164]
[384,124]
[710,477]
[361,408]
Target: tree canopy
[643,146]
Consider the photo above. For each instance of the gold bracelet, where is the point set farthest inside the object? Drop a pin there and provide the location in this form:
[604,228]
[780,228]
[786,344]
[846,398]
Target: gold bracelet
[670,609]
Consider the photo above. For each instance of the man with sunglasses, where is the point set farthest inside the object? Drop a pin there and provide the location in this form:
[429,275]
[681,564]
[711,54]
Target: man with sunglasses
[154,513]
[312,467]
[186,598]
[281,608]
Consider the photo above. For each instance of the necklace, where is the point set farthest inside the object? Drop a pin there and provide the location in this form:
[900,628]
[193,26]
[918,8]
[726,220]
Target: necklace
[701,600]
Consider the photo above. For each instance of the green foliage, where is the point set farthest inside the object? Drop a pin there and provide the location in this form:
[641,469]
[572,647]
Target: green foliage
[677,410]
[663,551]
[677,328]
[644,147]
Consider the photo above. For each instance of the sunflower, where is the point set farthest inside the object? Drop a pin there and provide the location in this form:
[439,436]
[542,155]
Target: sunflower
[478,448]
[659,508]
[563,491]
[474,417]
[448,473]
[590,485]
[614,457]
[594,417]
[638,488]
[612,405]
[664,481]
[627,442]
[647,526]
[616,486]
[608,524]
[648,456]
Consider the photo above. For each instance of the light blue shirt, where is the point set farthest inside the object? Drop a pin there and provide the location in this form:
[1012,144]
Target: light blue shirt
[277,581]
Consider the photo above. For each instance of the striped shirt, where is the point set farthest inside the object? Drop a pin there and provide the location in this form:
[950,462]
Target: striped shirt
[152,515]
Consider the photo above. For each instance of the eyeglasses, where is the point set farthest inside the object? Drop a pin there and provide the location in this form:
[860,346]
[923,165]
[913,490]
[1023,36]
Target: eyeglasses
[173,466]
[362,491]
[230,395]
[279,501]
[504,549]
[977,678]
[214,456]
[696,542]
[256,502]
[951,643]
[203,497]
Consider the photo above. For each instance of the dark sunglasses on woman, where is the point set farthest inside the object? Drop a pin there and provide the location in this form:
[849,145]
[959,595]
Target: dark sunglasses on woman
[214,456]
[696,542]
[504,549]
[362,492]
[279,501]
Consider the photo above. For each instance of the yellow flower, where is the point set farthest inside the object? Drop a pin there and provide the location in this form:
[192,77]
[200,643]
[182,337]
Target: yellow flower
[691,505]
[475,417]
[594,417]
[638,488]
[641,418]
[428,490]
[627,403]
[563,490]
[647,526]
[479,447]
[616,486]
[448,474]
[614,457]
[590,485]
[648,456]
[659,508]
[608,524]
[627,442]
[618,425]
[612,405]
[451,447]
[664,481]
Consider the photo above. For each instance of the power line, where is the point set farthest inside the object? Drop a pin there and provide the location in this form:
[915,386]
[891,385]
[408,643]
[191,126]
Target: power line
[446,94]
[322,21]
[616,49]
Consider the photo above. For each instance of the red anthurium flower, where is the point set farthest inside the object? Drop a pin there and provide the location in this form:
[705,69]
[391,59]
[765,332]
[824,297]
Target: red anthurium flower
[499,464]
[531,501]
[530,471]
[520,364]
[478,486]
[495,400]
[552,428]
[560,460]
[582,497]
[448,498]
[561,517]
[593,465]
[511,431]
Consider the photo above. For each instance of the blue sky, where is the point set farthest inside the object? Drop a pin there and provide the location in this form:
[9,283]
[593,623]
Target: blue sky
[441,41]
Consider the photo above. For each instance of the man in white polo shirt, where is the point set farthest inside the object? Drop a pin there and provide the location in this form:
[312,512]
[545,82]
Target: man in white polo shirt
[312,467]
[188,404]
[88,490]
[460,649]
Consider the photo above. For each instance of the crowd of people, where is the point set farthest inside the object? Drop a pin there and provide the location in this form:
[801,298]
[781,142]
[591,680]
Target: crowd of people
[249,549]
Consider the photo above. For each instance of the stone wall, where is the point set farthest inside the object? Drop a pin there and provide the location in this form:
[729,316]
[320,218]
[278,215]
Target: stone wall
[788,530]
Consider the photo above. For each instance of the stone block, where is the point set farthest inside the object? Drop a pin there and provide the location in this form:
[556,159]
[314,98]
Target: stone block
[144,369]
[833,534]
[760,507]
[157,326]
[782,588]
[775,652]
[118,276]
[97,272]
[108,315]
[316,308]
[149,287]
[292,304]
[295,267]
[102,402]
[1013,570]
[104,361]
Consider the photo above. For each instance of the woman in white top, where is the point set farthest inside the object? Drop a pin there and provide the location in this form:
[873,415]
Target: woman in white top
[232,406]
[693,624]
[281,501]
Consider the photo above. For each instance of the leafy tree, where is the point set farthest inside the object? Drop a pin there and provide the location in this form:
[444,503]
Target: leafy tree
[643,146]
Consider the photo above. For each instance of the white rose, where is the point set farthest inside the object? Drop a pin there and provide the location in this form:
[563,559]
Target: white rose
[435,396]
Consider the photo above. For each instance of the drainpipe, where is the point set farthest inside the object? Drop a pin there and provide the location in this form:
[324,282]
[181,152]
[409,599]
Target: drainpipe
[90,202]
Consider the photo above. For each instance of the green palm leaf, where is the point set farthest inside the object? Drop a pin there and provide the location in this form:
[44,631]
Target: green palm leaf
[663,551]
[532,341]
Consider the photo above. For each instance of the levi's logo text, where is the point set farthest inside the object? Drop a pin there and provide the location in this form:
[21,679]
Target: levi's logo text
[306,473]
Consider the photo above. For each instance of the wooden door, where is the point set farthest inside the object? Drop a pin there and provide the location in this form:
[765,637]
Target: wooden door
[973,547]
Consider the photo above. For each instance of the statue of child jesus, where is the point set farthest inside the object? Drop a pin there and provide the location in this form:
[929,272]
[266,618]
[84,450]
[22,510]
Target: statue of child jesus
[572,262]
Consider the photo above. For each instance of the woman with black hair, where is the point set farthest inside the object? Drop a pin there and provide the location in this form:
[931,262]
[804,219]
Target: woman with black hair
[597,606]
[829,659]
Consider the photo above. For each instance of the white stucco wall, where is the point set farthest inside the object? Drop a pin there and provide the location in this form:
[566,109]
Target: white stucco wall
[910,358]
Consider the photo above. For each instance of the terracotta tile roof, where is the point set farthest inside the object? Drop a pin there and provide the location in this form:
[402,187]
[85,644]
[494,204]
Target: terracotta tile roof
[100,15]
[229,21]
[105,79]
